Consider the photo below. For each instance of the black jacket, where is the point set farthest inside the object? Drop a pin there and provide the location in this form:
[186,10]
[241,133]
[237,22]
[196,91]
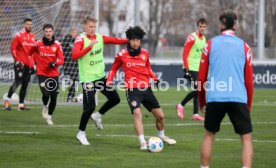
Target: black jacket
[70,67]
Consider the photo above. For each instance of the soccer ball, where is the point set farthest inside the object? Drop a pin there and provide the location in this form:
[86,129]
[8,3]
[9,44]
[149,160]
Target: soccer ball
[79,98]
[155,144]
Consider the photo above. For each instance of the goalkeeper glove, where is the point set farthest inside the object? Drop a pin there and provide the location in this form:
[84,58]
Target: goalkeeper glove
[19,65]
[32,71]
[187,74]
[157,82]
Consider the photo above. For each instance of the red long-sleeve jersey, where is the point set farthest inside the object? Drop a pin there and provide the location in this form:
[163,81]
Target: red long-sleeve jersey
[187,47]
[137,69]
[46,54]
[204,67]
[21,44]
[78,50]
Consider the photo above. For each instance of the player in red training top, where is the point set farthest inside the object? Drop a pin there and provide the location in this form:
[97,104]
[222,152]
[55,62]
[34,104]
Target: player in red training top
[23,63]
[191,59]
[48,57]
[134,61]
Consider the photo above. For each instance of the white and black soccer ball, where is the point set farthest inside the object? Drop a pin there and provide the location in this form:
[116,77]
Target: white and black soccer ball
[79,98]
[155,144]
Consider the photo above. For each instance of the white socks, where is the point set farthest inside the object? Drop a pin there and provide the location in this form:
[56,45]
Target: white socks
[81,132]
[98,115]
[142,139]
[204,166]
[161,133]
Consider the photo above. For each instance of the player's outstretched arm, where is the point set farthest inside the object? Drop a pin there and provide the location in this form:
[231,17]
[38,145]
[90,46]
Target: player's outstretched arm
[114,68]
[114,40]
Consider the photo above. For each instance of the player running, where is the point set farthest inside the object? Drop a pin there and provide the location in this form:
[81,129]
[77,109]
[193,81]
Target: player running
[48,58]
[191,58]
[21,44]
[88,50]
[134,61]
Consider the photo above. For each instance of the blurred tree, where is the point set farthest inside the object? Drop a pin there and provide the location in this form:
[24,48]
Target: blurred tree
[107,9]
[157,10]
[270,26]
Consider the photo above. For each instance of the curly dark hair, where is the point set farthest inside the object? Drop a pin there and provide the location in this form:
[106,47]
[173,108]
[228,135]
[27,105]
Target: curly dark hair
[135,33]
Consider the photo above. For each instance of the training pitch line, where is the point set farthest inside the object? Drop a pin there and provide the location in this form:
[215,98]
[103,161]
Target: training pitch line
[127,136]
[126,125]
[260,103]
[218,139]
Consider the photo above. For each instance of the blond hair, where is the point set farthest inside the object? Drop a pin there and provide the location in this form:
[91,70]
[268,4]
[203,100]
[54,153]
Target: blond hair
[89,19]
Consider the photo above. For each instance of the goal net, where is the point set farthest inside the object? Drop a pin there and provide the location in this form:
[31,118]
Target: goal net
[62,14]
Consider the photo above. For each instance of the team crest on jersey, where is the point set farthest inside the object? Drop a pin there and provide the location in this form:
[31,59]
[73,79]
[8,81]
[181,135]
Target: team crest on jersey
[54,49]
[33,39]
[134,103]
[143,57]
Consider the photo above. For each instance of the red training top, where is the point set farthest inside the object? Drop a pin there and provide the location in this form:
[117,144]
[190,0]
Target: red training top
[45,55]
[78,50]
[137,69]
[21,45]
[187,47]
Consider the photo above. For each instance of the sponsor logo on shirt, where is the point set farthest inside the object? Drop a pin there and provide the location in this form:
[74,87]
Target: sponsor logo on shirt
[133,64]
[47,55]
[92,53]
[28,44]
[96,62]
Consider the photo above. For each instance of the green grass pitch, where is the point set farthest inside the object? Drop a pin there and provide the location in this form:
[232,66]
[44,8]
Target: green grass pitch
[27,142]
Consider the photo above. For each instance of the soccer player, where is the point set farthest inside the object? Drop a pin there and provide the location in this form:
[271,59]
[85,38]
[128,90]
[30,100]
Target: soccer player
[70,67]
[134,61]
[21,44]
[226,68]
[191,56]
[48,58]
[88,50]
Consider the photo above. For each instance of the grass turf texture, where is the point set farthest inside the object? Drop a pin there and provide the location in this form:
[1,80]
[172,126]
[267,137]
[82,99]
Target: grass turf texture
[26,141]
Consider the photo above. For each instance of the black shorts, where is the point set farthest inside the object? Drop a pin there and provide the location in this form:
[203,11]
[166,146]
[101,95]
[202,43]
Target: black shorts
[135,97]
[22,74]
[48,85]
[238,113]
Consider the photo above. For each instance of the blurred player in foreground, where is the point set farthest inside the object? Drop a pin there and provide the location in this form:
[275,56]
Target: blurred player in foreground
[226,67]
